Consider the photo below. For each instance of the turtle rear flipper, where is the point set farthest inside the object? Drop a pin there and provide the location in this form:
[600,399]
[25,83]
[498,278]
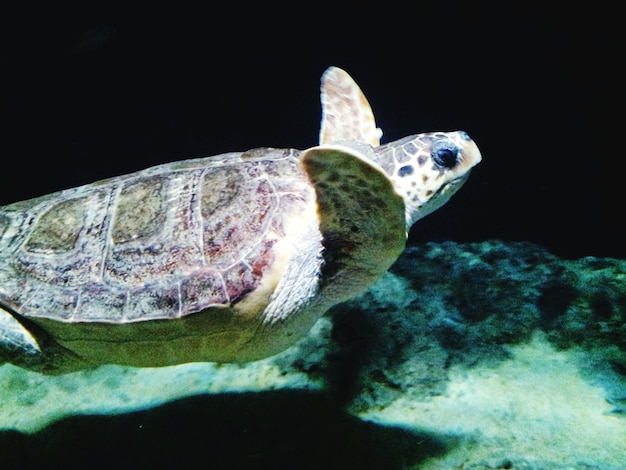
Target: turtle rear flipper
[35,351]
[14,337]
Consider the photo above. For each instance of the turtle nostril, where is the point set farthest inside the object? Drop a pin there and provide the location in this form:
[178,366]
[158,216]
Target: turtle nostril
[465,136]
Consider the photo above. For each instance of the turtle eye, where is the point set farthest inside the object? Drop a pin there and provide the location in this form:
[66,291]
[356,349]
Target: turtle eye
[445,155]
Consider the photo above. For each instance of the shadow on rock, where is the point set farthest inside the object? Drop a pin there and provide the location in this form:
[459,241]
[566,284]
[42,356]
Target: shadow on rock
[280,429]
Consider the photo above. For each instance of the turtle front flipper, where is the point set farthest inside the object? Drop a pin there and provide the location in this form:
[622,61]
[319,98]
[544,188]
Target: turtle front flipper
[346,113]
[361,218]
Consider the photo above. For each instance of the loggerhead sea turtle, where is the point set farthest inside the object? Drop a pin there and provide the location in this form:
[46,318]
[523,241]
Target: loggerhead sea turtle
[225,258]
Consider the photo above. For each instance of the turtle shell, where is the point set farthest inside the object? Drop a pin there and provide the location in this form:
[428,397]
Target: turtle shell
[162,243]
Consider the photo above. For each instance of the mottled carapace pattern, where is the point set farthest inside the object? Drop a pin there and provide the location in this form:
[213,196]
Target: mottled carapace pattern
[160,243]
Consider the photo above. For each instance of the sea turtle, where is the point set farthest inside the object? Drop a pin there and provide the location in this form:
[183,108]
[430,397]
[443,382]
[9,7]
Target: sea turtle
[229,258]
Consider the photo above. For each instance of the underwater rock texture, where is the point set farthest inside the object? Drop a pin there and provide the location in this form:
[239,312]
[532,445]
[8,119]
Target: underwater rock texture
[476,356]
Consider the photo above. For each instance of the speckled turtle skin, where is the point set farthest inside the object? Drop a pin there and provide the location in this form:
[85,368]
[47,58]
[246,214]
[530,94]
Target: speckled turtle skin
[225,258]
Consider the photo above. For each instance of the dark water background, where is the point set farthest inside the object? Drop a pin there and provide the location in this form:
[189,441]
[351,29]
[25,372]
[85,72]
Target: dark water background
[93,90]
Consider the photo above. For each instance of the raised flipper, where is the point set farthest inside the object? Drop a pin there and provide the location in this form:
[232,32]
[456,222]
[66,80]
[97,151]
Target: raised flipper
[346,113]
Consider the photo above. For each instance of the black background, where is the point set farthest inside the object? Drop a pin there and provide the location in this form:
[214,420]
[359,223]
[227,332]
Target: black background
[93,90]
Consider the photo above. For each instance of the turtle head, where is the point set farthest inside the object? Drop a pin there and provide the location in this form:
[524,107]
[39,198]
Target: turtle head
[427,169]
